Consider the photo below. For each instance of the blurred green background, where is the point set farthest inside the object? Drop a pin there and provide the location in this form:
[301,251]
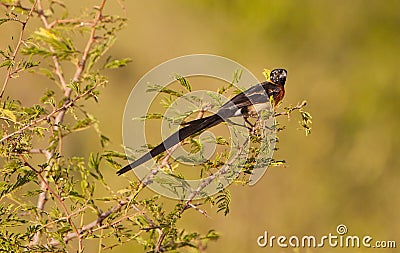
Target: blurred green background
[341,56]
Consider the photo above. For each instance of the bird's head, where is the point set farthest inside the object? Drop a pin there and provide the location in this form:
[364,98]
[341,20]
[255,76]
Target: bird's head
[278,76]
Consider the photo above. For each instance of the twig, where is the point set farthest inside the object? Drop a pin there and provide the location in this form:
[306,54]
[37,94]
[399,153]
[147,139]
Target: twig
[99,220]
[81,22]
[101,217]
[47,117]
[8,119]
[290,110]
[188,204]
[115,222]
[42,199]
[40,151]
[195,207]
[121,5]
[82,63]
[47,187]
[207,181]
[160,240]
[16,50]
[65,218]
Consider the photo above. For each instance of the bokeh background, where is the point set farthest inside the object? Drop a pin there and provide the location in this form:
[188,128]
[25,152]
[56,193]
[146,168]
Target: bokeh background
[341,56]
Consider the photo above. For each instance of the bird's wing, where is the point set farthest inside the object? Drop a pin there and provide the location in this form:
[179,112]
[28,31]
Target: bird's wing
[256,94]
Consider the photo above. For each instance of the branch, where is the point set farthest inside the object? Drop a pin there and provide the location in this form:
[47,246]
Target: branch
[47,117]
[99,220]
[195,207]
[47,187]
[95,225]
[80,22]
[42,199]
[82,63]
[67,94]
[291,109]
[16,50]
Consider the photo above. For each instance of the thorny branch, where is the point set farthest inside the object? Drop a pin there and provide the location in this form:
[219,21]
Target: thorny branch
[58,113]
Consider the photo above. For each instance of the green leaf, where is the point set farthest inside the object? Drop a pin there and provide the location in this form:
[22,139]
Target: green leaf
[267,74]
[306,122]
[3,20]
[223,201]
[141,221]
[83,124]
[196,145]
[184,82]
[8,114]
[119,63]
[212,235]
[21,180]
[162,89]
[104,140]
[46,72]
[6,63]
[237,75]
[44,39]
[221,140]
[153,116]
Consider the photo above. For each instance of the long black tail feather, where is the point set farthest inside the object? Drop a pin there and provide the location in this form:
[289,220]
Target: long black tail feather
[192,128]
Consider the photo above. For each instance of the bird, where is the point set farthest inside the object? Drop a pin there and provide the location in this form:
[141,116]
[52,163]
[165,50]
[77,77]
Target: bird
[246,104]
